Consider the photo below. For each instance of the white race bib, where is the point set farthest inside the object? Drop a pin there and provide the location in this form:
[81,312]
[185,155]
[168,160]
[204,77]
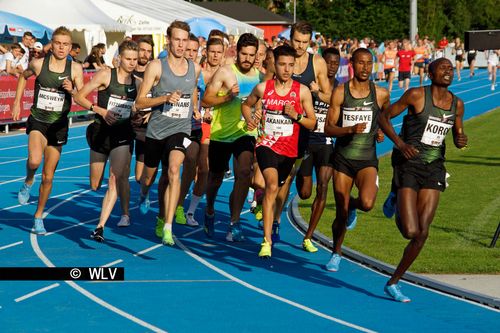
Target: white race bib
[321,120]
[278,125]
[50,100]
[436,130]
[121,107]
[459,52]
[389,61]
[353,117]
[419,55]
[180,109]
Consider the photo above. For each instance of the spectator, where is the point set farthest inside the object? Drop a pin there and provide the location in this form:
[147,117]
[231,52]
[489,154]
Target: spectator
[10,63]
[26,43]
[75,52]
[37,51]
[95,60]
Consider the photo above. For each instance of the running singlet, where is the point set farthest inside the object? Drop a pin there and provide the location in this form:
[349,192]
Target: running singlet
[168,119]
[117,98]
[390,59]
[318,136]
[51,102]
[354,111]
[228,124]
[420,53]
[280,132]
[405,58]
[427,130]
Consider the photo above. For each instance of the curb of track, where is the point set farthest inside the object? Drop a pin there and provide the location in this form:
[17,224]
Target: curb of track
[389,269]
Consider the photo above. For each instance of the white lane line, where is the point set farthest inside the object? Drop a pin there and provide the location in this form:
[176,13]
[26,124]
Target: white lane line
[477,99]
[63,153]
[36,292]
[112,263]
[289,218]
[34,201]
[268,294]
[13,147]
[11,245]
[51,209]
[164,281]
[22,146]
[154,247]
[83,291]
[38,174]
[71,227]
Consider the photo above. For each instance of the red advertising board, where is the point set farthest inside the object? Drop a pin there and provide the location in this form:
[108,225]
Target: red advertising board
[8,86]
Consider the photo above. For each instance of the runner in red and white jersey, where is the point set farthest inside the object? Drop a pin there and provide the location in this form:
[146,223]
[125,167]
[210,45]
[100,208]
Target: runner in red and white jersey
[286,104]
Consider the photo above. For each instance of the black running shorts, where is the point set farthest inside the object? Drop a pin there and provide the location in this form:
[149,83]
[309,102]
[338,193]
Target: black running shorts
[267,158]
[55,133]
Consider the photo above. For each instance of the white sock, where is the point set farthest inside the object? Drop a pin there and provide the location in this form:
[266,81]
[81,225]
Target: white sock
[167,227]
[194,203]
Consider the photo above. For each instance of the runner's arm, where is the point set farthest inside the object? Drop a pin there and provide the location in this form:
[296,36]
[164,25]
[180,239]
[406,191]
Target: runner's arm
[100,79]
[219,82]
[151,76]
[325,91]
[246,107]
[459,138]
[309,121]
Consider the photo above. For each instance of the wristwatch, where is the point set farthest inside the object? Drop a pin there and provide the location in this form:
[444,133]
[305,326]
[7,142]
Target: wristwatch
[299,118]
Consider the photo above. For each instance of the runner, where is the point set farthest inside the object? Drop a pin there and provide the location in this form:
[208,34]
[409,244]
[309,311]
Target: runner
[352,118]
[311,71]
[319,157]
[419,60]
[492,56]
[471,59]
[230,86]
[389,60]
[172,81]
[418,159]
[405,64]
[47,125]
[193,151]
[215,54]
[111,134]
[459,53]
[284,102]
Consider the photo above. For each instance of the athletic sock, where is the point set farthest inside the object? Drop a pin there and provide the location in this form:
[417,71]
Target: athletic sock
[168,227]
[194,203]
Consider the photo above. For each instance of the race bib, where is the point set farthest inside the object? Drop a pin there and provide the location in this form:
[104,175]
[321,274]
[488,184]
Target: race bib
[353,117]
[320,121]
[278,124]
[120,107]
[49,100]
[179,110]
[459,52]
[436,130]
[419,56]
[389,61]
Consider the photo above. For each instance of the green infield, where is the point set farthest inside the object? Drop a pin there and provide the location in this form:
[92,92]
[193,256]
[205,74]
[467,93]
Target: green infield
[466,219]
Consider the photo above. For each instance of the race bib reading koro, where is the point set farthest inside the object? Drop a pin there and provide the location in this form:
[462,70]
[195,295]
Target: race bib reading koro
[436,130]
[50,100]
[352,117]
[121,107]
[278,124]
[179,109]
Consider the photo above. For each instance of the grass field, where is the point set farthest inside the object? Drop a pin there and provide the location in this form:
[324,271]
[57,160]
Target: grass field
[467,216]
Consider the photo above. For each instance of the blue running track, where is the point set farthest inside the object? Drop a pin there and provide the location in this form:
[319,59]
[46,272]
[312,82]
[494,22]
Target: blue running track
[199,285]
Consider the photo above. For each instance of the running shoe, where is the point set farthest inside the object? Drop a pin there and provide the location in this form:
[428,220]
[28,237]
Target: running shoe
[98,234]
[492,87]
[38,227]
[227,174]
[275,236]
[334,263]
[24,193]
[235,233]
[144,204]
[265,249]
[308,246]
[250,195]
[258,212]
[352,219]
[180,218]
[394,291]
[167,238]
[160,222]
[208,225]
[190,221]
[124,221]
[389,207]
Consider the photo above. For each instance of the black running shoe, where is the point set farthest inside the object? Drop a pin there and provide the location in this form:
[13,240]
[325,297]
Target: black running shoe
[97,235]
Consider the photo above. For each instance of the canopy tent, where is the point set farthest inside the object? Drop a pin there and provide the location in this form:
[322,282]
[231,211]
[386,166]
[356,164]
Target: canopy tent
[201,26]
[171,10]
[89,24]
[15,26]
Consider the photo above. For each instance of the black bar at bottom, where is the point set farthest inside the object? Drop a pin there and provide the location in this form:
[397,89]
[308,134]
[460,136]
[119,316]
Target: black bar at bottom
[62,273]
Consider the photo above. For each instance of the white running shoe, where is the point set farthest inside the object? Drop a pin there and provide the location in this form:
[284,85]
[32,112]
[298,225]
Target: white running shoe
[124,221]
[492,87]
[190,221]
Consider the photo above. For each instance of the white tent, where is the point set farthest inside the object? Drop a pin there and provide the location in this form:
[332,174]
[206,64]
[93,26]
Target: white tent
[171,10]
[89,24]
